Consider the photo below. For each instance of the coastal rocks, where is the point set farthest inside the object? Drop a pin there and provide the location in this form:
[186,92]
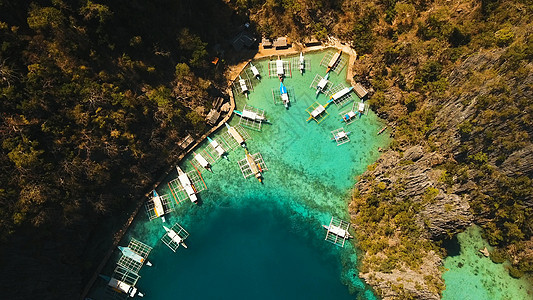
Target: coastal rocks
[405,283]
[455,110]
[410,188]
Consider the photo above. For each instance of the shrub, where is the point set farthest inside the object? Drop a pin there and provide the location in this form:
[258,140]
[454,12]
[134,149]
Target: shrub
[515,273]
[504,37]
[497,256]
[458,38]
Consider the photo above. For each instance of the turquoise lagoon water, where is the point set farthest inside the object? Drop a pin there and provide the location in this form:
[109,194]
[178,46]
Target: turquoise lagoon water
[472,276]
[253,240]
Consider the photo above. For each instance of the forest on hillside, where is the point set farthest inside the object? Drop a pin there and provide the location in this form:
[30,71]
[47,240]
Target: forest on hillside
[95,95]
[94,98]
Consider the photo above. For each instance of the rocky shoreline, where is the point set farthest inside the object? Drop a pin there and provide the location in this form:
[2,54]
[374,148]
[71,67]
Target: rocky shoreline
[417,179]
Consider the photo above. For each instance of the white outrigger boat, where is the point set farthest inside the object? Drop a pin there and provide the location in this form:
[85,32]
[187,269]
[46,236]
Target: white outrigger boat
[221,152]
[318,110]
[255,71]
[254,167]
[341,93]
[127,252]
[349,116]
[236,135]
[175,237]
[284,95]
[322,84]
[244,87]
[333,61]
[159,210]
[203,162]
[340,135]
[187,185]
[361,108]
[338,231]
[252,115]
[279,69]
[122,287]
[302,63]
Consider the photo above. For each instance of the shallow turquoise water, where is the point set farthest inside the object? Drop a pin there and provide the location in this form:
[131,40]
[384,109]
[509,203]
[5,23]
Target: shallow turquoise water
[265,240]
[472,276]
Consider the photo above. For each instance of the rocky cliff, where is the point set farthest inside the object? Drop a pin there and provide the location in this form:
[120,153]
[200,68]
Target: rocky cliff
[416,196]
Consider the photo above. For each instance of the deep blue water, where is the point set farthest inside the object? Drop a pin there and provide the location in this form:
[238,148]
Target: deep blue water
[250,252]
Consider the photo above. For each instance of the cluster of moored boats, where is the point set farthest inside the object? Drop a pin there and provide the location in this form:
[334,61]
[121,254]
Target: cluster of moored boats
[133,257]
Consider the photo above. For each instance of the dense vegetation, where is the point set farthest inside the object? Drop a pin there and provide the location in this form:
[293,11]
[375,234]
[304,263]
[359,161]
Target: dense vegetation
[416,66]
[94,99]
[417,52]
[95,96]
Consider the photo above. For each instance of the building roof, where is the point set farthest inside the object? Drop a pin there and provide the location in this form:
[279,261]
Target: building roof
[267,43]
[360,90]
[311,41]
[212,116]
[280,42]
[186,142]
[218,103]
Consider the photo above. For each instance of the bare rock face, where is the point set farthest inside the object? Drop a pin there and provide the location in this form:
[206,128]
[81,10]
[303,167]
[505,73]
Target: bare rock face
[414,153]
[440,210]
[458,108]
[405,283]
[519,163]
[448,214]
